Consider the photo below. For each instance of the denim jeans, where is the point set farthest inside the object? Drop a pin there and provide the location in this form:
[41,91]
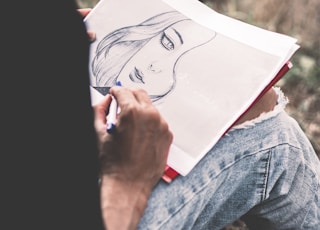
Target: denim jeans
[264,171]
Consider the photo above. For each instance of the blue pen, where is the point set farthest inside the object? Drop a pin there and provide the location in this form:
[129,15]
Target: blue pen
[112,115]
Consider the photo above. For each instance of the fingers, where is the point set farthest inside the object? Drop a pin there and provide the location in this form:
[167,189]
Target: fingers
[142,97]
[100,111]
[84,11]
[91,35]
[136,109]
[143,134]
[125,96]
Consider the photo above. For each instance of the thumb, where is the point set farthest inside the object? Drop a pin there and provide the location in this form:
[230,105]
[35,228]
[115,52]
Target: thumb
[100,111]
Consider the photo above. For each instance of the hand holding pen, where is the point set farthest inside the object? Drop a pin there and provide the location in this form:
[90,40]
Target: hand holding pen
[112,115]
[133,158]
[141,137]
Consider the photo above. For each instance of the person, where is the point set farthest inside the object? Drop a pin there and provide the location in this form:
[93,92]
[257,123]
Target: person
[264,171]
[162,40]
[60,168]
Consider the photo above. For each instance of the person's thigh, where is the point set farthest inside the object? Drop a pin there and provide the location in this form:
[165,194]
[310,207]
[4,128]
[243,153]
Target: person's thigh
[234,177]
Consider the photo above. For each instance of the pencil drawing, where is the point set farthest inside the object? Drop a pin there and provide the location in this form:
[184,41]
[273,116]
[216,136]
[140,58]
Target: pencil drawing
[145,55]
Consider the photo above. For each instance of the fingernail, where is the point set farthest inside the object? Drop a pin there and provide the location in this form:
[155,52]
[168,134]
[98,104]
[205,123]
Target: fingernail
[92,36]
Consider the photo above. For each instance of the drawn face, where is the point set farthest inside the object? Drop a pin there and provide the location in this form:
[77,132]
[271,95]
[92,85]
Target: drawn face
[152,68]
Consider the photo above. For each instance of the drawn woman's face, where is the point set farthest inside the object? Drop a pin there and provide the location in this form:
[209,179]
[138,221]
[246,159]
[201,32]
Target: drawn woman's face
[152,68]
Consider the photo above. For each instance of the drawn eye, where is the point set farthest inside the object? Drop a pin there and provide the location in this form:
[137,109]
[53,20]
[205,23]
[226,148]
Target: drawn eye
[166,42]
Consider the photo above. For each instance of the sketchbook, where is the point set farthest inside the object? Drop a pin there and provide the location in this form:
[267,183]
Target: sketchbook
[201,69]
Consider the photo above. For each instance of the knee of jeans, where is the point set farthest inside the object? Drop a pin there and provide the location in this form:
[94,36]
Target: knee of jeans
[281,104]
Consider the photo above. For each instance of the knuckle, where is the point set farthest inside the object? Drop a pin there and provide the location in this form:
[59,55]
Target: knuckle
[140,91]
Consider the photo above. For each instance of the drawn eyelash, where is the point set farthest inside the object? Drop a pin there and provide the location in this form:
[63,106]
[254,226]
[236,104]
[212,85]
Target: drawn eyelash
[166,42]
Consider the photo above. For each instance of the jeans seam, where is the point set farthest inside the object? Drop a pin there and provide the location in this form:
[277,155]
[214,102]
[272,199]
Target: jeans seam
[266,176]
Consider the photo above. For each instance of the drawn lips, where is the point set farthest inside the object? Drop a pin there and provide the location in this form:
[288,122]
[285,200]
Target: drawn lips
[136,76]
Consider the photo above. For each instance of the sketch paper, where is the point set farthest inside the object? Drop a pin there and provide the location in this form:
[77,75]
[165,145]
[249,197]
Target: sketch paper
[201,69]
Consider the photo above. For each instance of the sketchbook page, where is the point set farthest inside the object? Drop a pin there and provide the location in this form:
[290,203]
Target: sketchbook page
[200,76]
[271,42]
[268,41]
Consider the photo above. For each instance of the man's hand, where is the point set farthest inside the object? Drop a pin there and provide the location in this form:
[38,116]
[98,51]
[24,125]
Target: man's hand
[132,158]
[84,12]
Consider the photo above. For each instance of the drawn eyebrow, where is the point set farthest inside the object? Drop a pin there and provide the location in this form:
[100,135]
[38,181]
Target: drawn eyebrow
[179,35]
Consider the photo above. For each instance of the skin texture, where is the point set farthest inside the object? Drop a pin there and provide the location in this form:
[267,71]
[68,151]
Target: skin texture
[133,158]
[84,12]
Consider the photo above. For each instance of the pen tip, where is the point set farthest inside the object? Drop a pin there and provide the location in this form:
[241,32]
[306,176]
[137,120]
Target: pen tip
[111,128]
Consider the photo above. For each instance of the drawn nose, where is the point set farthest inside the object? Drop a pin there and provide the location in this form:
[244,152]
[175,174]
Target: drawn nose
[154,68]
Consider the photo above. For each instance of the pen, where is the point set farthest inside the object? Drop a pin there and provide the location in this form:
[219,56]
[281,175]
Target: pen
[112,115]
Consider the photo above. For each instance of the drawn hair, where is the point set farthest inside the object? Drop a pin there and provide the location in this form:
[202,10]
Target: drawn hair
[116,49]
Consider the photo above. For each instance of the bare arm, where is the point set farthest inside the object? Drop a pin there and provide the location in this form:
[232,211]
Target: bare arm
[132,159]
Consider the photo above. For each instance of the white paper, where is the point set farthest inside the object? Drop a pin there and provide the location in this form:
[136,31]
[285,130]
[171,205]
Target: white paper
[219,65]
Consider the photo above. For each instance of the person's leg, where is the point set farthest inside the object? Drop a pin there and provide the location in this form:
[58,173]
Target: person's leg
[292,194]
[255,165]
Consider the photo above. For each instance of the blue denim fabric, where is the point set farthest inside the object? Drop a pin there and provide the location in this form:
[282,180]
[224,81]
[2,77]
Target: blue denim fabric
[268,173]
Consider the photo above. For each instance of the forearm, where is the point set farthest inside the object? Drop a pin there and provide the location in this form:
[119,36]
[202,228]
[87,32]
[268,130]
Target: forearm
[132,159]
[122,202]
